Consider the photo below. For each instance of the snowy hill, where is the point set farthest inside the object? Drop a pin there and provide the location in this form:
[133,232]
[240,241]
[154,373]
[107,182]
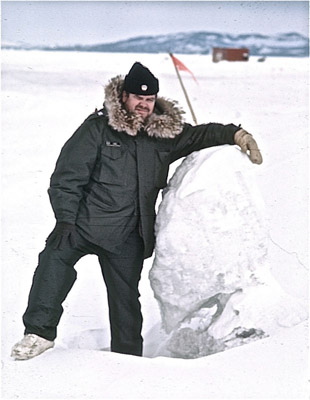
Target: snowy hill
[284,45]
[45,97]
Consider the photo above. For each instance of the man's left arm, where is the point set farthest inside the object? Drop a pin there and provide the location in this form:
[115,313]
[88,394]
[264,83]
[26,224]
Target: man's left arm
[248,144]
[194,138]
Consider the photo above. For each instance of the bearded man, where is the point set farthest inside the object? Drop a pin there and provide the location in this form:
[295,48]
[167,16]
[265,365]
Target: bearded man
[103,193]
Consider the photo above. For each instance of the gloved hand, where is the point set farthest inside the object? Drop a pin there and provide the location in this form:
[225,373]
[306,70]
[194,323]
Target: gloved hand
[246,141]
[64,235]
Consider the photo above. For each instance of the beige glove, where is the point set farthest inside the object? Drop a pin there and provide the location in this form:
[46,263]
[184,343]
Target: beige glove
[247,143]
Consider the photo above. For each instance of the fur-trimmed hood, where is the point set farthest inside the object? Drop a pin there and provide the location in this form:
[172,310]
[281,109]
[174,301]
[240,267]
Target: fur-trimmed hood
[165,122]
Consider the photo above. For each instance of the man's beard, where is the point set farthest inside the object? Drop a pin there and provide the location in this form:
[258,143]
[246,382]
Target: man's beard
[146,111]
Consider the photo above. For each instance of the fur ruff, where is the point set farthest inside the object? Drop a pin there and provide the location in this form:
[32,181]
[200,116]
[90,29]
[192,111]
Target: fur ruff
[166,121]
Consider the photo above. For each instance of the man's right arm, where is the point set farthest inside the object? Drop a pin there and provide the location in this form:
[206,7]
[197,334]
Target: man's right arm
[73,169]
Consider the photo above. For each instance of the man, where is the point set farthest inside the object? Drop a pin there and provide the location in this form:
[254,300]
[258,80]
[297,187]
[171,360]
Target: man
[103,193]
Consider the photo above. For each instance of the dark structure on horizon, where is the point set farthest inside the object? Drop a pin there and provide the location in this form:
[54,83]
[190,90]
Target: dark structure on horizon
[230,54]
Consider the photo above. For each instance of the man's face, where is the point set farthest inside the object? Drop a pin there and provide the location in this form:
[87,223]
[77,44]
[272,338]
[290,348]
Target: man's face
[139,104]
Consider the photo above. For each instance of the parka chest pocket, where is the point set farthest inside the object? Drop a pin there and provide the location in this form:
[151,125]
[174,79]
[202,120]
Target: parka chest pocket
[162,161]
[113,160]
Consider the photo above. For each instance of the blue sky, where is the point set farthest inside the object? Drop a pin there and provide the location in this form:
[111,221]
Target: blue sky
[89,22]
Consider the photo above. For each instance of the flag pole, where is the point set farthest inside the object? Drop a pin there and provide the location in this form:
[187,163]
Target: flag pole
[184,91]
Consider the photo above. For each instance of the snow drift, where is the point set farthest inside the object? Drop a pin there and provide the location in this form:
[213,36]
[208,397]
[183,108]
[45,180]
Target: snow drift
[210,273]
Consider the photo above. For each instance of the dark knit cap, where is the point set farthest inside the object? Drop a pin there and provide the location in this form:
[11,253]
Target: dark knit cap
[140,80]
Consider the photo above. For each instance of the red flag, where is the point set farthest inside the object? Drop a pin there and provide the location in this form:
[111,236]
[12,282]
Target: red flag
[180,66]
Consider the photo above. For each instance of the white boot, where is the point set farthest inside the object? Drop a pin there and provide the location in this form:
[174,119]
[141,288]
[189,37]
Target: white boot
[30,346]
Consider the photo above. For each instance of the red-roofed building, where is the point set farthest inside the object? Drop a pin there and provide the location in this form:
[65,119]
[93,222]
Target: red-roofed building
[230,54]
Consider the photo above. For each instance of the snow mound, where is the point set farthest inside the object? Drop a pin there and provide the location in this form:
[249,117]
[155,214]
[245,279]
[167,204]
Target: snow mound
[210,273]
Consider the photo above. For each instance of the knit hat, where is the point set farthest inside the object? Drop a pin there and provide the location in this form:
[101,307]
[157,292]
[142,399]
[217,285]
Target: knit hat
[140,80]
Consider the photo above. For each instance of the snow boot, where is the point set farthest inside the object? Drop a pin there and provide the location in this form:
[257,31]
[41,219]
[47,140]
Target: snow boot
[30,346]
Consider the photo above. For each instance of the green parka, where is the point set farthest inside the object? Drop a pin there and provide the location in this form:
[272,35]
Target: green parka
[109,173]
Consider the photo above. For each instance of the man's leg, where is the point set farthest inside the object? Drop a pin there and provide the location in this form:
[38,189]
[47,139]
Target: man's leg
[52,281]
[122,273]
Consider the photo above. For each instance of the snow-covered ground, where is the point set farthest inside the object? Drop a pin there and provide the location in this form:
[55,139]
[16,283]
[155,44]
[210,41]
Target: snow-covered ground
[45,97]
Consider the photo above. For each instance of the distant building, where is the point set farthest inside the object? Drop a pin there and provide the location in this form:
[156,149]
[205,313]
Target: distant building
[230,54]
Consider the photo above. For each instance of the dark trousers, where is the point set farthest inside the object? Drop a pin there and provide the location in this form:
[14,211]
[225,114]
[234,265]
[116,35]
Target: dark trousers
[55,276]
